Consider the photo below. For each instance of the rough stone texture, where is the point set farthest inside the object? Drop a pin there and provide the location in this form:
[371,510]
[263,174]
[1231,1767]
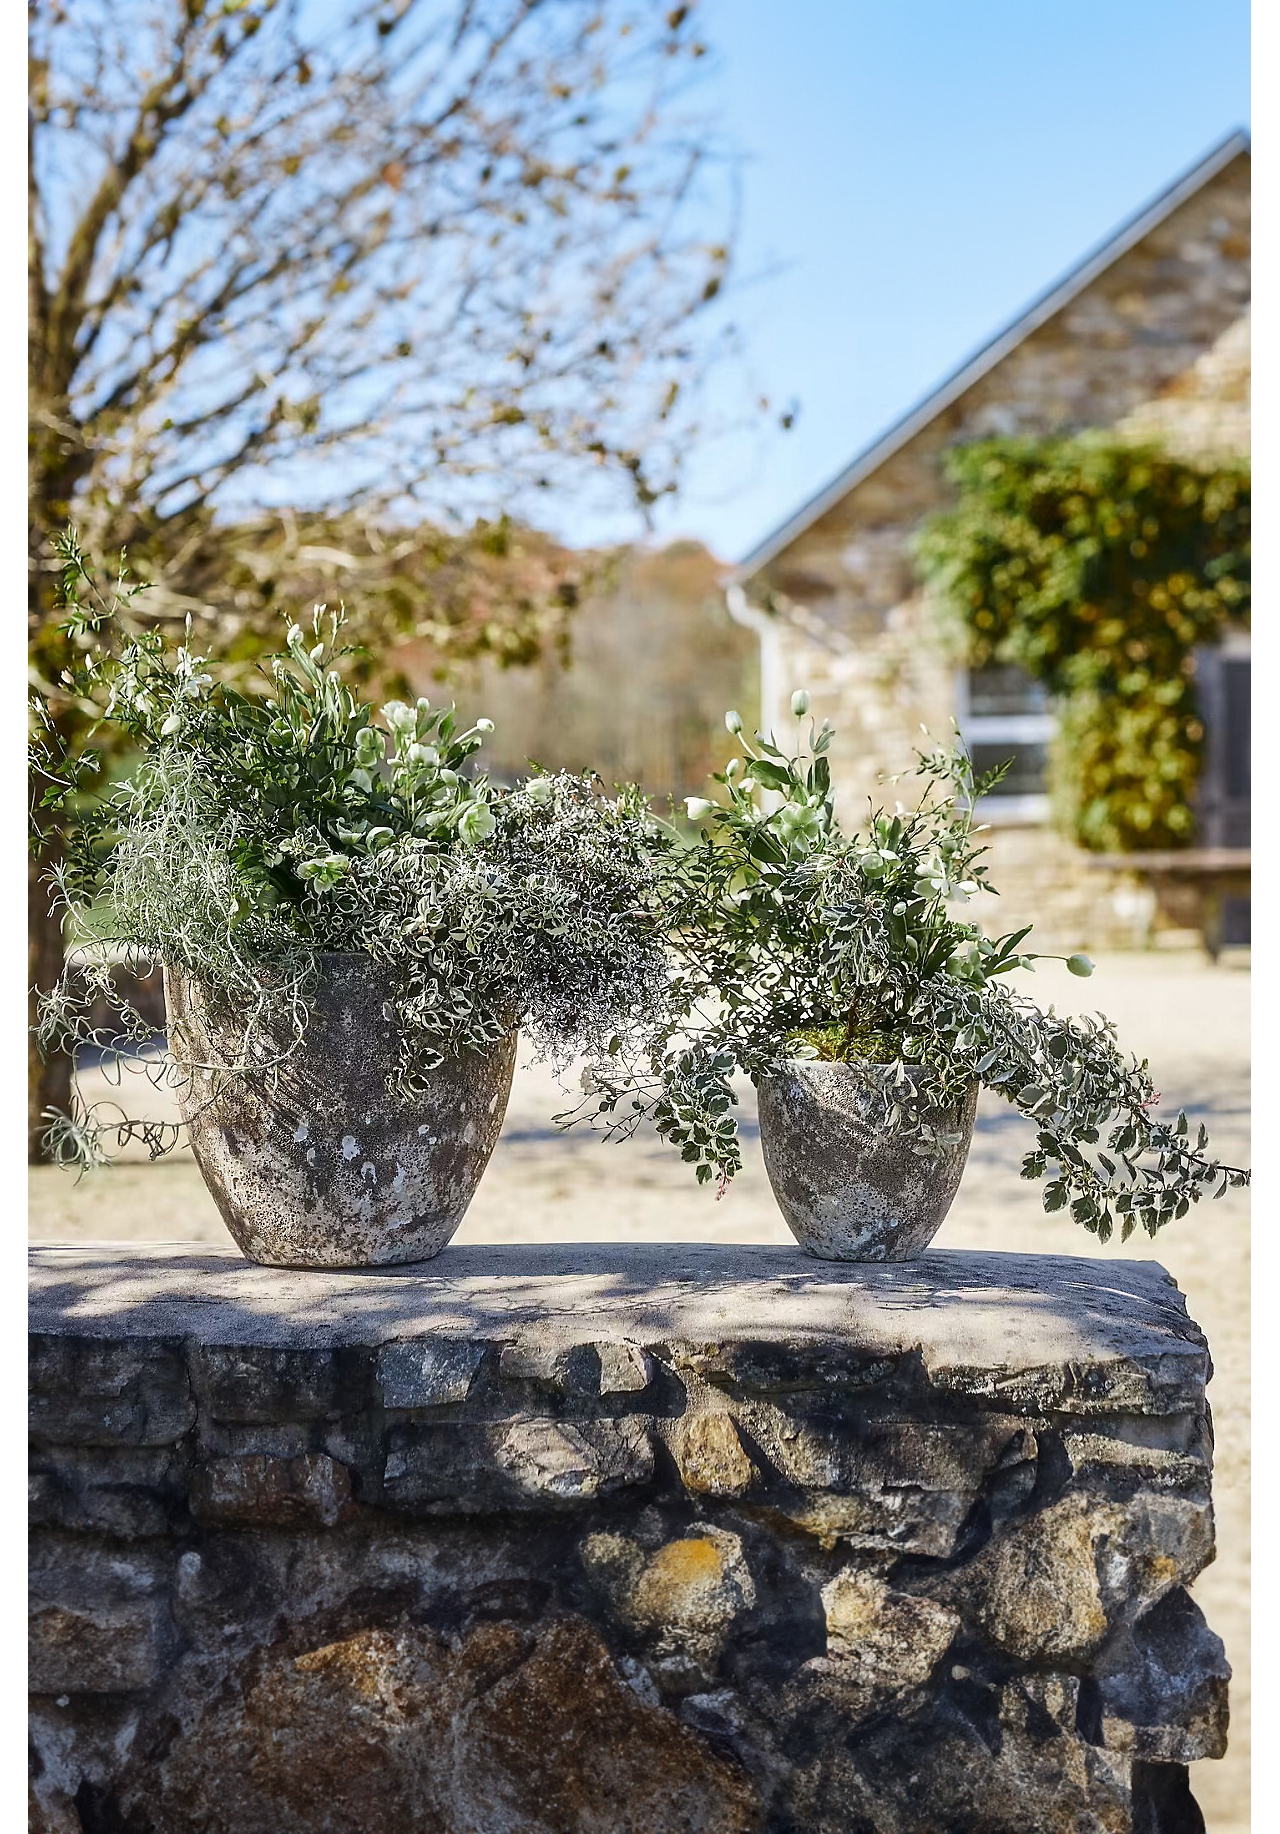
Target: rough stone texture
[1156,345]
[584,1540]
[847,1191]
[321,1168]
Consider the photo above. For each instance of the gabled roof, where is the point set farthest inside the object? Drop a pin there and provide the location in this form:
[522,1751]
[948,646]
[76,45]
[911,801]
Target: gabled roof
[1060,294]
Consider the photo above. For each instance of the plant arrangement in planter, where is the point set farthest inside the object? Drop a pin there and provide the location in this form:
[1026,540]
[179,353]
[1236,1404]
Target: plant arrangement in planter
[353,922]
[838,972]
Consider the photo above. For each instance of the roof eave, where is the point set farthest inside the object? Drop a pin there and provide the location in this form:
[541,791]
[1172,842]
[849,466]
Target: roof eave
[1045,307]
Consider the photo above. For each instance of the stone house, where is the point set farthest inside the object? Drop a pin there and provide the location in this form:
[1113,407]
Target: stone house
[1148,334]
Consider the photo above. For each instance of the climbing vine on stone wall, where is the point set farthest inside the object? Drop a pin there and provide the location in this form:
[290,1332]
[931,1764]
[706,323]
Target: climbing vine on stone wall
[1098,566]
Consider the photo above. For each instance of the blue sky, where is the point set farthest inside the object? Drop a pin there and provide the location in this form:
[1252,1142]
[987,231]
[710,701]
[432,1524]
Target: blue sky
[915,171]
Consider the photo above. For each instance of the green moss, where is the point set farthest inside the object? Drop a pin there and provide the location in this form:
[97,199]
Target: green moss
[835,1044]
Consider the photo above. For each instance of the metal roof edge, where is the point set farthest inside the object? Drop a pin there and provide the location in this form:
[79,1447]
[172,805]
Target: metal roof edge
[985,358]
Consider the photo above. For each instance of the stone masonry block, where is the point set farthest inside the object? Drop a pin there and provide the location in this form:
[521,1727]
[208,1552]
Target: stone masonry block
[659,1538]
[91,1393]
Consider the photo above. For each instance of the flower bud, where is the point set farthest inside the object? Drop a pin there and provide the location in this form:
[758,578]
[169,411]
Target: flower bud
[800,702]
[483,725]
[1081,965]
[733,722]
[698,807]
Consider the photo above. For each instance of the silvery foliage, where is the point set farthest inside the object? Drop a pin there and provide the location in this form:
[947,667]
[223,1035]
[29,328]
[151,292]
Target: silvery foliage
[794,939]
[256,833]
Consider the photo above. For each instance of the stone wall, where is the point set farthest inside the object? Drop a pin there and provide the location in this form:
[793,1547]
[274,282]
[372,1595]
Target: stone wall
[1158,345]
[585,1540]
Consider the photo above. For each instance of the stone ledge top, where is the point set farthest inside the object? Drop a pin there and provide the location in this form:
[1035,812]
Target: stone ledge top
[1007,1314]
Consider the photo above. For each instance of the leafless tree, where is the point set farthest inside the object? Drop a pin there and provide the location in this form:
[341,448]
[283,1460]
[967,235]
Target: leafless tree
[425,257]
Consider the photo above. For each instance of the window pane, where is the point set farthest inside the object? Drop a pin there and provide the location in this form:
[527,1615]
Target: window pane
[1003,689]
[1026,775]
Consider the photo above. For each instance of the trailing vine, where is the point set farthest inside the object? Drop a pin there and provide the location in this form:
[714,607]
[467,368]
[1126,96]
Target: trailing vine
[1098,566]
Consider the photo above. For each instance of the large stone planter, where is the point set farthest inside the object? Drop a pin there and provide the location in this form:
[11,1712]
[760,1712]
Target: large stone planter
[848,1191]
[320,1166]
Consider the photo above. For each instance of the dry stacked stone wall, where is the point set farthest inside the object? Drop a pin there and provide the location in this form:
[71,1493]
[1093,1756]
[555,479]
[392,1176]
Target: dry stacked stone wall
[655,1540]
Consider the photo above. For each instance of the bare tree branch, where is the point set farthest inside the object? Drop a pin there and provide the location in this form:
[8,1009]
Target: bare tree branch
[430,258]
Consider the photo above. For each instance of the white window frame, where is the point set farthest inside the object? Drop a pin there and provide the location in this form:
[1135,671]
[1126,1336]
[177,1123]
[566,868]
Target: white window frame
[998,809]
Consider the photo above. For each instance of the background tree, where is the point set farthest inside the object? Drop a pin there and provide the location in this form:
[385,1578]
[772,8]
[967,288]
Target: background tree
[656,659]
[431,258]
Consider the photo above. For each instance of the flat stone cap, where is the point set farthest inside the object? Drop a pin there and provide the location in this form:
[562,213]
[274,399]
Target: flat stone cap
[981,1322]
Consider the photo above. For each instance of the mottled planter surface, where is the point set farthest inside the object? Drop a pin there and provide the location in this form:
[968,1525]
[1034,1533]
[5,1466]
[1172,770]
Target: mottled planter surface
[569,1540]
[325,1168]
[847,1190]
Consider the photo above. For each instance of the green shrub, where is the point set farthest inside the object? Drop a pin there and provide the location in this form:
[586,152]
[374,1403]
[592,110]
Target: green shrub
[1097,567]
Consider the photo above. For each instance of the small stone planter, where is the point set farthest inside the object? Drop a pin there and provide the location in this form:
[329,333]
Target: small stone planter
[320,1166]
[848,1191]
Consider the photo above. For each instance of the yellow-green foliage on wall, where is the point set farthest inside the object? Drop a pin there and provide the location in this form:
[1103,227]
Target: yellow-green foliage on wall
[1098,566]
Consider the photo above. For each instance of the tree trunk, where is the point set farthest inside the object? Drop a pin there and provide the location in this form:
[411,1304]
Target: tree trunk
[48,1079]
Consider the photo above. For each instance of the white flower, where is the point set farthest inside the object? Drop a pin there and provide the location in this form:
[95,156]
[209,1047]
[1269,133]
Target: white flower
[932,885]
[197,686]
[733,722]
[426,755]
[476,822]
[293,636]
[539,791]
[698,807]
[399,717]
[483,725]
[800,702]
[172,724]
[797,821]
[876,861]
